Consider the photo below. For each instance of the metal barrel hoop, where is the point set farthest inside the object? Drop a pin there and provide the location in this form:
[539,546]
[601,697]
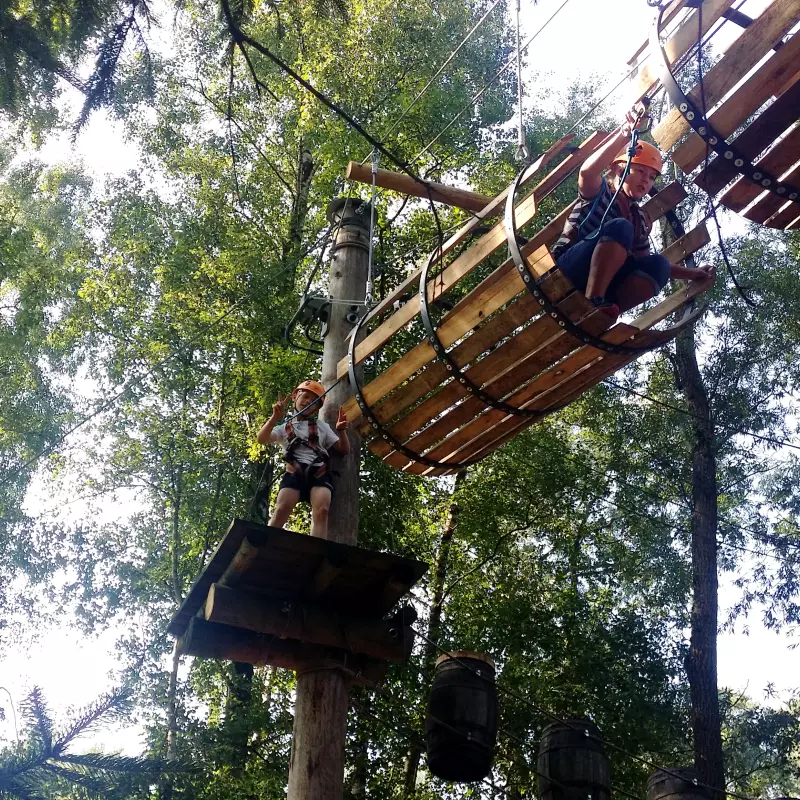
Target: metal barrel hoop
[541,297]
[699,123]
[377,425]
[452,367]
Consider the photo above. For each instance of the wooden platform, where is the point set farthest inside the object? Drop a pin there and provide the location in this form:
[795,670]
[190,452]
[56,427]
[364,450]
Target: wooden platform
[271,596]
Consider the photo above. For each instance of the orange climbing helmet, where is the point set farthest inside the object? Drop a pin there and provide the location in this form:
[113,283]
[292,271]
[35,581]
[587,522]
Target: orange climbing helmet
[647,154]
[315,387]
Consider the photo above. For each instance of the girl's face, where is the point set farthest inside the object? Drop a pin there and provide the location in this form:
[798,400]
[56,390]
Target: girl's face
[639,180]
[304,398]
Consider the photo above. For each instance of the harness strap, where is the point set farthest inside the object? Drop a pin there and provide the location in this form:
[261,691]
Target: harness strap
[320,463]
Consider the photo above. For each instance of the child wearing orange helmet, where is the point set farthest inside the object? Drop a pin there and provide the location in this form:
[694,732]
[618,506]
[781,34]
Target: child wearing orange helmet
[306,441]
[605,246]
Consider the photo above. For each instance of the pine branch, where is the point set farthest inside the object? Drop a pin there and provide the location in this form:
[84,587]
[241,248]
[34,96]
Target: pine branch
[109,704]
[35,709]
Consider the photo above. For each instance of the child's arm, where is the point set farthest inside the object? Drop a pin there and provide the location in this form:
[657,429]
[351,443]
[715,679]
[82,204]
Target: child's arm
[343,445]
[265,434]
[590,177]
[705,273]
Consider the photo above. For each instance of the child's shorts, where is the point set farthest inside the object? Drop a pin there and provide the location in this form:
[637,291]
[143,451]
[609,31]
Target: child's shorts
[304,483]
[576,261]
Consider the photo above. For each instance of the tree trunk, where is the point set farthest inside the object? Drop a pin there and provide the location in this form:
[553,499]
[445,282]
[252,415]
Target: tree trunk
[434,625]
[702,660]
[292,247]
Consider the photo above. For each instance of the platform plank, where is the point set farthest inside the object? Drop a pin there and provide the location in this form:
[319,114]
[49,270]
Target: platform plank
[781,158]
[746,100]
[753,44]
[754,139]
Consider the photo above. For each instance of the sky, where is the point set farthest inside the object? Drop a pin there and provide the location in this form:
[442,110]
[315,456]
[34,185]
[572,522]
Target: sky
[587,37]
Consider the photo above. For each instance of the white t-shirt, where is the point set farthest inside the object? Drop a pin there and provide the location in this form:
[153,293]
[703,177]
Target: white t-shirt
[303,453]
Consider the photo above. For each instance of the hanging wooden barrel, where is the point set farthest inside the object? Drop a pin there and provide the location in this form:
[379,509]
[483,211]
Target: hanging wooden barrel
[572,762]
[461,723]
[677,784]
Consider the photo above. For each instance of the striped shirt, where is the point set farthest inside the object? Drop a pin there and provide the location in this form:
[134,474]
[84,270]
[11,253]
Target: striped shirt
[586,214]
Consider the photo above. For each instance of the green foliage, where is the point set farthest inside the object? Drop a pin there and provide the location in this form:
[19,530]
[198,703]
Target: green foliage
[43,765]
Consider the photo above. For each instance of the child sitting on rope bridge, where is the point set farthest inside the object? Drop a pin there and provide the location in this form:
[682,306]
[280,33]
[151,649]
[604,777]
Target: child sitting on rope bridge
[306,441]
[605,246]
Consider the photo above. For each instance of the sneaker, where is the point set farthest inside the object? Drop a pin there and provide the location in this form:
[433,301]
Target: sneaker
[611,310]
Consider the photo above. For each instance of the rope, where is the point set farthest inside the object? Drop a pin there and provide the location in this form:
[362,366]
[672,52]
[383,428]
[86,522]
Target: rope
[441,69]
[368,294]
[486,88]
[522,154]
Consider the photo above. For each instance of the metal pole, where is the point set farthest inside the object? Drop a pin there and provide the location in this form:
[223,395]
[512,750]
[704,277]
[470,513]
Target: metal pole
[316,767]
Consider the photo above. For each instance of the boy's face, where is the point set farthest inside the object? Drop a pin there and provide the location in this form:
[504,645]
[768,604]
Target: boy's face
[305,398]
[639,181]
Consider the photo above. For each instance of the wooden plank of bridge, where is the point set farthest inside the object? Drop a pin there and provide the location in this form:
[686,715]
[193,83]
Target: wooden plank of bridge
[572,377]
[679,44]
[475,255]
[464,422]
[767,127]
[781,158]
[756,40]
[783,215]
[746,100]
[476,302]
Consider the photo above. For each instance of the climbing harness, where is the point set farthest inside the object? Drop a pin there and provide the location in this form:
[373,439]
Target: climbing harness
[320,464]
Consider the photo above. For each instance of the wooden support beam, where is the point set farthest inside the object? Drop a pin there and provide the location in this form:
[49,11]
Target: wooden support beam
[309,623]
[405,184]
[213,640]
[245,556]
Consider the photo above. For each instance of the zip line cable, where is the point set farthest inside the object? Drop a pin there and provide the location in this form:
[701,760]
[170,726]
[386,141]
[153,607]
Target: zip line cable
[441,69]
[240,39]
[486,88]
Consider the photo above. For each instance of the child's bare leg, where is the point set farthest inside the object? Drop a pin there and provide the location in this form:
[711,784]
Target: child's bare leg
[607,259]
[320,507]
[633,291]
[287,500]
